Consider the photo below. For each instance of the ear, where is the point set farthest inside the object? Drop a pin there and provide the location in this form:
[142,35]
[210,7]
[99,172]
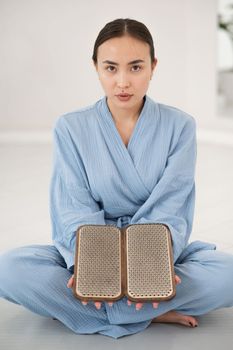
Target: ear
[95,65]
[154,63]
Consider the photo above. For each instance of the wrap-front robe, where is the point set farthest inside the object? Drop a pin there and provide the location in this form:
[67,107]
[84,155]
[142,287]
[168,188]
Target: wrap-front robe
[96,179]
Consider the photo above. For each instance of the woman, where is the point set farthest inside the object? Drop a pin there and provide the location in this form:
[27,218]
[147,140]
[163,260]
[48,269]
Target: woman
[124,160]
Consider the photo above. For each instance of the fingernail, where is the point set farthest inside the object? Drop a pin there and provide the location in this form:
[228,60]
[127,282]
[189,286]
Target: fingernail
[138,306]
[84,302]
[110,304]
[129,302]
[155,305]
[98,305]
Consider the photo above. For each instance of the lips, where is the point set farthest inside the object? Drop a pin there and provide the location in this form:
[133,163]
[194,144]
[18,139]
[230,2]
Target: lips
[124,97]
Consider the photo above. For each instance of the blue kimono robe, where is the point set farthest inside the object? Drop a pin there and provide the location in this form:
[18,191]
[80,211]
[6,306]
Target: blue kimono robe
[96,179]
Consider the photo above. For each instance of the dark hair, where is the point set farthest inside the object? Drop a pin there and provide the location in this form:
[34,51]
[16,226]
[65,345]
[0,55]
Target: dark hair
[120,27]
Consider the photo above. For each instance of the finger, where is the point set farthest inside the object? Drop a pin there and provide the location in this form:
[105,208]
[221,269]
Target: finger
[70,282]
[139,306]
[129,302]
[84,302]
[98,305]
[177,279]
[110,303]
[155,305]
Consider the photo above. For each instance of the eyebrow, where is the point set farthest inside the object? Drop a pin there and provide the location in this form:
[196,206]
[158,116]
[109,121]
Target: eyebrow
[117,64]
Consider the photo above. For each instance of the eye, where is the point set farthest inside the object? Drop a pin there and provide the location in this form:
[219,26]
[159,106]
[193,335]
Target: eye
[110,68]
[138,68]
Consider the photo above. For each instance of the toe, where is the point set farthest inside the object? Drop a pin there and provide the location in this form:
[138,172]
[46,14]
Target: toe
[191,321]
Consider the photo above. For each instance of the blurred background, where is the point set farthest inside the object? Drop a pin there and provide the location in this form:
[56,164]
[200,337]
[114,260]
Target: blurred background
[46,70]
[225,59]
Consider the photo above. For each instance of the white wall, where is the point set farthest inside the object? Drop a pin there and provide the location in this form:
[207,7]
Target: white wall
[46,49]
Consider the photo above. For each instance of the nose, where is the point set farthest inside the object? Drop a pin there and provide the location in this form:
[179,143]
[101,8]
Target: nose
[122,81]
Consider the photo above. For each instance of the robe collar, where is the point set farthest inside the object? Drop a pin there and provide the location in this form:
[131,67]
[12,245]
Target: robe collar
[124,156]
[107,115]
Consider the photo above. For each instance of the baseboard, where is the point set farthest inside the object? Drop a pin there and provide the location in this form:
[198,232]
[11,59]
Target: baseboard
[31,136]
[215,137]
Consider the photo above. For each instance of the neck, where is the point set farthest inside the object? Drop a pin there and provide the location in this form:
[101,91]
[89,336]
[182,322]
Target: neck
[125,115]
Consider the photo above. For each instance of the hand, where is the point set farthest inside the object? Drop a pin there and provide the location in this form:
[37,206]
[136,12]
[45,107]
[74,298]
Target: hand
[138,305]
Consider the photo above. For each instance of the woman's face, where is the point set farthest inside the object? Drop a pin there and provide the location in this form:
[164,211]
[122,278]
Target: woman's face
[124,66]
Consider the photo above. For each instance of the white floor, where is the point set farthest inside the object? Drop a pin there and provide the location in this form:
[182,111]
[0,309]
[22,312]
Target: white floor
[24,180]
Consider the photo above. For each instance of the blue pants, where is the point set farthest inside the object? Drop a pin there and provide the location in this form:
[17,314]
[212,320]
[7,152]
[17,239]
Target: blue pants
[35,276]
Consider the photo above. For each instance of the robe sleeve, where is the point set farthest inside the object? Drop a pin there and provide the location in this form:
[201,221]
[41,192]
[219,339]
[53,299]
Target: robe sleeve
[71,202]
[172,200]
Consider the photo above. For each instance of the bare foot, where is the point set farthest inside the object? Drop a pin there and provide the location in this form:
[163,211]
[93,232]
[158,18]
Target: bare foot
[176,317]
